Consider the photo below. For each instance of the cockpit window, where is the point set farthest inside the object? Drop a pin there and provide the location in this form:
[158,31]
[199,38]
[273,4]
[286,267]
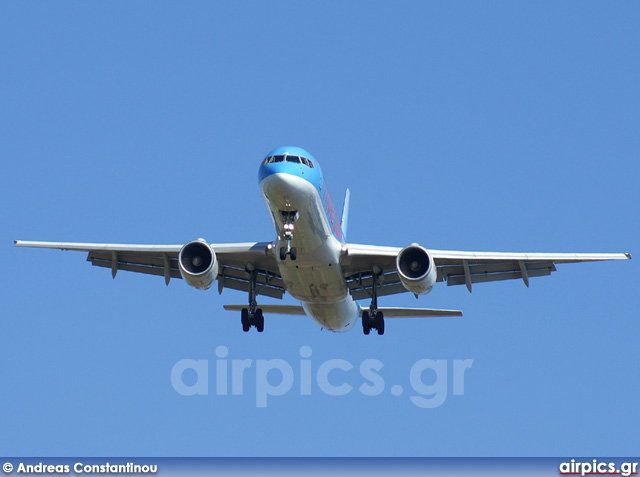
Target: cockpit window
[287,158]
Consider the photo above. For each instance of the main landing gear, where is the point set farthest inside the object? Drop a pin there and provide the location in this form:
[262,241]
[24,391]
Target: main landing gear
[252,319]
[289,219]
[372,318]
[253,315]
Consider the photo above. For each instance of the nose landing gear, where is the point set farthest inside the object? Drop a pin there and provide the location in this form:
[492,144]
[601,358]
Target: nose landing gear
[288,250]
[289,219]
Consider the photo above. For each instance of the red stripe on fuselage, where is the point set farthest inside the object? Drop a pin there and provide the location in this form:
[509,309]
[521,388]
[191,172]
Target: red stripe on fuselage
[330,210]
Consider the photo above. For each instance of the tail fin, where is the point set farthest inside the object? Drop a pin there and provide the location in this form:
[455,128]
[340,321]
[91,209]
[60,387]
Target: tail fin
[345,215]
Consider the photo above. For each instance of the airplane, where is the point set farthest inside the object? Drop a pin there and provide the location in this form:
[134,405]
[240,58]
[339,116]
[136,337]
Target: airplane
[311,260]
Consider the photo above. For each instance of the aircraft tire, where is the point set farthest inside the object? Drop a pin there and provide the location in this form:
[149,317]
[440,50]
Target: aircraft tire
[259,320]
[380,323]
[366,325]
[245,320]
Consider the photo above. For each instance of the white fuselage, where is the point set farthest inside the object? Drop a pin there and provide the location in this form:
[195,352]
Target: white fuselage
[315,277]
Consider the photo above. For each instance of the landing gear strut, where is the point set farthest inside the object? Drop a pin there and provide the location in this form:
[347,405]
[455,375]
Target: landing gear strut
[289,218]
[252,316]
[372,318]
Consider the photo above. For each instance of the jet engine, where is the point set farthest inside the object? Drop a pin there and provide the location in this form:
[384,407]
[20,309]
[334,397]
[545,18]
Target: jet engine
[198,264]
[416,269]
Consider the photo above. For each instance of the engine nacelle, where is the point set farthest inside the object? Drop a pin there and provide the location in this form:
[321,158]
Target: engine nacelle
[198,264]
[416,269]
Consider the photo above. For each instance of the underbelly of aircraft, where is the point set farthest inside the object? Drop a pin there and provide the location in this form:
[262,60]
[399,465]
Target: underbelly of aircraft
[315,276]
[320,286]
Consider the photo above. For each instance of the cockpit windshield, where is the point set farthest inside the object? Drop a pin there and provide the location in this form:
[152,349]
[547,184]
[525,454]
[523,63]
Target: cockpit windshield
[289,158]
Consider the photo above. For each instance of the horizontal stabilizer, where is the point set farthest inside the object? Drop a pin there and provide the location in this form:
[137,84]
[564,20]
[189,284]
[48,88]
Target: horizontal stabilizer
[417,312]
[271,309]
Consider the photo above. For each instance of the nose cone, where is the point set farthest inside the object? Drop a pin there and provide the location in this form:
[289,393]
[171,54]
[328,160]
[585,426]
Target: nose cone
[291,160]
[280,189]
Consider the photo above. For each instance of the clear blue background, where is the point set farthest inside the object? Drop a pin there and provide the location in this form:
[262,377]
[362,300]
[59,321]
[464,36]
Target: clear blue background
[492,126]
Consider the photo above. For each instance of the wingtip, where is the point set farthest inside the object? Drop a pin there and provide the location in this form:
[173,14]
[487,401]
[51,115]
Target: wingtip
[628,255]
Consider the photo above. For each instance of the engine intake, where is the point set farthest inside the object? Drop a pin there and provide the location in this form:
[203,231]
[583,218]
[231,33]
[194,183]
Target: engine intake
[198,264]
[416,269]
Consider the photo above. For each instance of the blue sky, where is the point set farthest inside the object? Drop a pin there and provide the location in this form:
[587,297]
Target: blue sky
[490,126]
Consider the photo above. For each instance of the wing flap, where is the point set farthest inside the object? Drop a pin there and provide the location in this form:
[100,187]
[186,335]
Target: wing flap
[243,285]
[360,285]
[491,272]
[130,267]
[492,267]
[140,259]
[494,277]
[263,278]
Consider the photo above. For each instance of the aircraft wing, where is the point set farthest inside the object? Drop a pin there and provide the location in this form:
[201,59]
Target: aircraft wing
[454,267]
[162,260]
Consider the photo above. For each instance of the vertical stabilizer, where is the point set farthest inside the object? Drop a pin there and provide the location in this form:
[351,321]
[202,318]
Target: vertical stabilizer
[345,215]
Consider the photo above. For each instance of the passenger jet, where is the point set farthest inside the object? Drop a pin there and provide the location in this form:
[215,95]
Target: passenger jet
[311,259]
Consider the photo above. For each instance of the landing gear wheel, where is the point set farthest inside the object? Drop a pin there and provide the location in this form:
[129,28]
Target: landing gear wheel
[293,253]
[259,319]
[366,324]
[245,320]
[283,253]
[380,322]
